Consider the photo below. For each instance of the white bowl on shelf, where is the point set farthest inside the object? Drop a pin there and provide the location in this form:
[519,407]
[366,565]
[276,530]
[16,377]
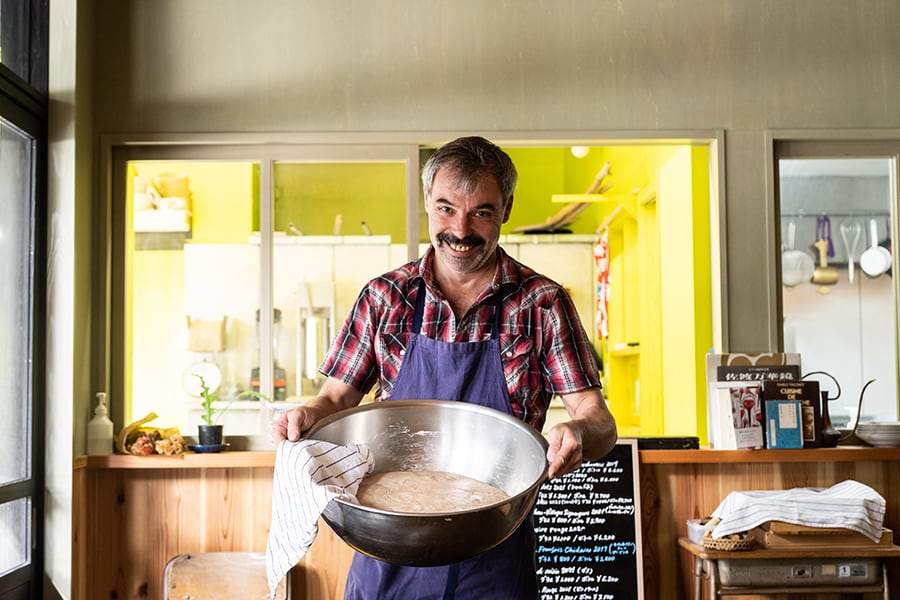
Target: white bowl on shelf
[882,435]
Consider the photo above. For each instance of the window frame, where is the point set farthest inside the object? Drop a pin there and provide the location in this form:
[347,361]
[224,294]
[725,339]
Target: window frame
[112,277]
[24,107]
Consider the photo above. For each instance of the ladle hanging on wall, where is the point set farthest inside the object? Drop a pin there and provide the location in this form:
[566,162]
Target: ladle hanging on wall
[823,274]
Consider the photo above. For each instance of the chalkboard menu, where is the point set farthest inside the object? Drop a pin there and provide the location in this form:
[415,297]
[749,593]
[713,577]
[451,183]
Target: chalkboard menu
[589,530]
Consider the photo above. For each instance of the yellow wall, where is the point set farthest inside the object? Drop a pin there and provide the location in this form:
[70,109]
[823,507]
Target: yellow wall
[311,195]
[660,306]
[683,205]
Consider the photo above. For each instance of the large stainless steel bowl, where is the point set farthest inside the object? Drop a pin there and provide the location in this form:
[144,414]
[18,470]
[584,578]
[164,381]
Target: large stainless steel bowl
[436,435]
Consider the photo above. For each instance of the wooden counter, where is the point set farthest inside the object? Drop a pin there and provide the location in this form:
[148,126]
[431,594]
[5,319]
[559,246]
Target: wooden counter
[131,514]
[677,485]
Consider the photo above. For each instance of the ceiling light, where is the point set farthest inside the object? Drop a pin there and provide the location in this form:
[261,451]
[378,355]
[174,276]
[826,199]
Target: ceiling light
[580,151]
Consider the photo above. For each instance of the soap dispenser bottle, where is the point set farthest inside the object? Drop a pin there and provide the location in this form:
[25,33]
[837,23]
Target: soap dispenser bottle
[100,429]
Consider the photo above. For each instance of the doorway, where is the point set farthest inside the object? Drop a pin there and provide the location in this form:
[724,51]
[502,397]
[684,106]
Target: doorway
[838,295]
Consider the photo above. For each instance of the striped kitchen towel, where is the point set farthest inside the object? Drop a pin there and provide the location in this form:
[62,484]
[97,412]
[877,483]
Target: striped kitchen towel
[308,475]
[848,504]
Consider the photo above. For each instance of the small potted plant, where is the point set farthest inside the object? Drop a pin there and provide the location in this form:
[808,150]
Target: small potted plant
[209,433]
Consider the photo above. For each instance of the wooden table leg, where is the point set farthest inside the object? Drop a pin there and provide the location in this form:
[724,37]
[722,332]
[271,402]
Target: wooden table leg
[698,577]
[712,574]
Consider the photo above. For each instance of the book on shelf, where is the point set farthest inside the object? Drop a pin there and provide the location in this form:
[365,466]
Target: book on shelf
[747,416]
[806,392]
[734,373]
[784,424]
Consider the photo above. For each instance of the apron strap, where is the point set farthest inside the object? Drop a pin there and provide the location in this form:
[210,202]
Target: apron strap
[420,308]
[498,304]
[420,311]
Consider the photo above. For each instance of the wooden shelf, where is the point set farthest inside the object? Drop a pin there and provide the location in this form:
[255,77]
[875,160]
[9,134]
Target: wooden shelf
[873,551]
[188,460]
[230,459]
[628,352]
[707,455]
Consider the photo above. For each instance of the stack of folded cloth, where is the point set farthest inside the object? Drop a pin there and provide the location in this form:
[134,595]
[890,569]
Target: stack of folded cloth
[850,509]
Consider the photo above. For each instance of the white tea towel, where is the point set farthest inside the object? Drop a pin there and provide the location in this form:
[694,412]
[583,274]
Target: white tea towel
[848,504]
[308,475]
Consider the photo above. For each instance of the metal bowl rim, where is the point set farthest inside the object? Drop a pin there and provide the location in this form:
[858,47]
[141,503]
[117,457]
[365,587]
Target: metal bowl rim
[451,404]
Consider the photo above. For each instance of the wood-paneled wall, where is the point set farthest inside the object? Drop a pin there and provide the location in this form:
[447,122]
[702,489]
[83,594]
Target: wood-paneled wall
[133,514]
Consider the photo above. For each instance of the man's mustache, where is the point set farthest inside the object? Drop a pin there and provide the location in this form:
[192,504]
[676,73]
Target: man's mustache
[469,240]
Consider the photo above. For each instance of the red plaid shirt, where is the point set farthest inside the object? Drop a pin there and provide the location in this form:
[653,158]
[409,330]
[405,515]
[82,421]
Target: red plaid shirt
[543,345]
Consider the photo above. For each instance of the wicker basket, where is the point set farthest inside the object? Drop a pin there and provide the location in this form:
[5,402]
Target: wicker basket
[729,544]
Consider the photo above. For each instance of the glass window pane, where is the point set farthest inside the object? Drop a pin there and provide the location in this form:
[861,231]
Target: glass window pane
[16,192]
[337,224]
[347,199]
[193,289]
[837,312]
[14,34]
[195,276]
[23,41]
[15,534]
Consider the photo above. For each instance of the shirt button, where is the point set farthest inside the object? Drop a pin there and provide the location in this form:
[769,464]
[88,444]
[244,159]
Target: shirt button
[402,352]
[508,353]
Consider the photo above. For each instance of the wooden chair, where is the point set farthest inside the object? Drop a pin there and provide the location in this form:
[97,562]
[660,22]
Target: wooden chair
[220,576]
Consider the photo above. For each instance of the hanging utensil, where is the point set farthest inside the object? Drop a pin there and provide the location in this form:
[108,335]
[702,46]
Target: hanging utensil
[824,275]
[850,232]
[796,266]
[823,232]
[876,259]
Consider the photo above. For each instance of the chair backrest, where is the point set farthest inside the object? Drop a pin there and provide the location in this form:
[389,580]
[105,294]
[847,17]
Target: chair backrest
[220,576]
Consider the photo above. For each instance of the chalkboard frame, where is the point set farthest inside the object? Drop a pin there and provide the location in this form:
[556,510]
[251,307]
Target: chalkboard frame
[626,454]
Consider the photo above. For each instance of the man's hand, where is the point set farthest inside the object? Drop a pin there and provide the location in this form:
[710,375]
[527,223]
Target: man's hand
[564,453]
[589,435]
[334,396]
[292,423]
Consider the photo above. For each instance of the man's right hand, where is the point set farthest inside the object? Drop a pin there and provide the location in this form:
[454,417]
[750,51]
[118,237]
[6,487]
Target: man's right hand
[333,397]
[292,423]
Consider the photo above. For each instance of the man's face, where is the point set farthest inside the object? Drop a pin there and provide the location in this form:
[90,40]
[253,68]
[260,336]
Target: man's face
[465,227]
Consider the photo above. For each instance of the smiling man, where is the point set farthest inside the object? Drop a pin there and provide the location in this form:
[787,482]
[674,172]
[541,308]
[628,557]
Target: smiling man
[466,322]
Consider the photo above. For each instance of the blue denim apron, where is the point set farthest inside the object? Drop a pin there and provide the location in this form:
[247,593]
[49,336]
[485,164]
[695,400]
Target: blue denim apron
[471,372]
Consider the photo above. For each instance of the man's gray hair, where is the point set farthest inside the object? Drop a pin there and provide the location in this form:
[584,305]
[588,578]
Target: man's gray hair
[469,159]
